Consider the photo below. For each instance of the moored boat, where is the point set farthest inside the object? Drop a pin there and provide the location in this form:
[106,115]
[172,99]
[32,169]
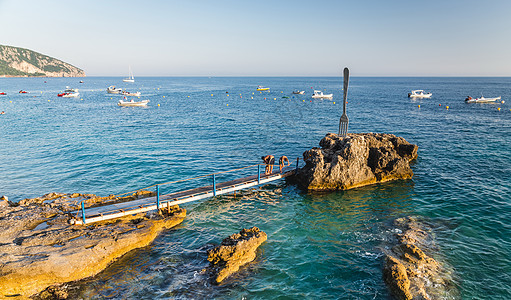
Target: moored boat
[2,93]
[130,78]
[68,94]
[132,102]
[419,94]
[126,93]
[298,92]
[113,90]
[262,88]
[22,92]
[320,95]
[481,99]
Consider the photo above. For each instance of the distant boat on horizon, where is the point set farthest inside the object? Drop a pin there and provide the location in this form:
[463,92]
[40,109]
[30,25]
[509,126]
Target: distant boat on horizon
[130,78]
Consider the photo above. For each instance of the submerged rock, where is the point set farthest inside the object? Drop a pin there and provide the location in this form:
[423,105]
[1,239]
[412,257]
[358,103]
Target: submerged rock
[235,251]
[409,272]
[38,247]
[356,160]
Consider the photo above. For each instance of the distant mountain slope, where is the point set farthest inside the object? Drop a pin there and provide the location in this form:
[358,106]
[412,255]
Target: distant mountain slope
[17,62]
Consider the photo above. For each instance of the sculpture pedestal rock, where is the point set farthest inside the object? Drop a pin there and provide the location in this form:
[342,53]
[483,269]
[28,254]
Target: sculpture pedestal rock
[356,160]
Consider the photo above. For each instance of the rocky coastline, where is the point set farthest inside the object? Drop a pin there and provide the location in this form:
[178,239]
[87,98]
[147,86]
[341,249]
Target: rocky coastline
[38,247]
[356,160]
[409,270]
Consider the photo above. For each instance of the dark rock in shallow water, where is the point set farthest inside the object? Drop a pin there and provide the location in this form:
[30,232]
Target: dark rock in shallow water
[234,252]
[356,160]
[409,272]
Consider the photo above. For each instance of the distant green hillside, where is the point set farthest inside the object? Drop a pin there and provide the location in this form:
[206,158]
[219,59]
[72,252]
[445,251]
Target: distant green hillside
[16,61]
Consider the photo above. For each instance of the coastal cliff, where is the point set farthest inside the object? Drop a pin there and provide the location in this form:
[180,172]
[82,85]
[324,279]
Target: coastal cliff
[20,62]
[356,160]
[38,247]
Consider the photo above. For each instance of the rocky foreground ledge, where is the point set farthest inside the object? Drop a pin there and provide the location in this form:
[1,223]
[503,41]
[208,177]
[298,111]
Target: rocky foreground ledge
[409,270]
[38,247]
[234,252]
[356,160]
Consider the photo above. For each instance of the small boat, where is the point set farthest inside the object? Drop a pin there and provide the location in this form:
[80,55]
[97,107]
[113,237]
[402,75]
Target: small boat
[419,94]
[70,90]
[81,81]
[481,99]
[132,102]
[2,93]
[22,92]
[262,88]
[126,93]
[113,90]
[299,92]
[320,95]
[68,94]
[130,78]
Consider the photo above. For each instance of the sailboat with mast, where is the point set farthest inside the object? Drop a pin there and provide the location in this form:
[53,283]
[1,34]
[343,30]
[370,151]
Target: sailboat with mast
[130,78]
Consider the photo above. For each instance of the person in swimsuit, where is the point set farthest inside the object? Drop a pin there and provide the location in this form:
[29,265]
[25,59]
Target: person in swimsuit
[269,160]
[283,159]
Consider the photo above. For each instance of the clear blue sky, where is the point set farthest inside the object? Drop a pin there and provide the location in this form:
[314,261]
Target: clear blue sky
[266,38]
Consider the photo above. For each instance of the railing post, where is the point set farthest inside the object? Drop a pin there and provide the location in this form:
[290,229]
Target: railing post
[258,174]
[83,212]
[214,185]
[157,197]
[297,159]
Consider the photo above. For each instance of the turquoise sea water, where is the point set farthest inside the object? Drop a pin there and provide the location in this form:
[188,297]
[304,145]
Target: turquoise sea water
[319,245]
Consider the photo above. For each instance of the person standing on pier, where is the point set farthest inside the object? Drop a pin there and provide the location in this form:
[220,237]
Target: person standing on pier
[283,159]
[269,160]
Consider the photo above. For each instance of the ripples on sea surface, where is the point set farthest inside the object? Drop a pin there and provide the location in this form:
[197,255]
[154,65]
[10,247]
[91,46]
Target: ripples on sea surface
[319,245]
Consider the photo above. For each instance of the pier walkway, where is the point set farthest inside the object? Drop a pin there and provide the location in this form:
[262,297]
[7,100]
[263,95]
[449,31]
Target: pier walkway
[117,210]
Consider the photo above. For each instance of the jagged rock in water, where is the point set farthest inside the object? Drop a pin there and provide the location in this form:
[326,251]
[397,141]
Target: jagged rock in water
[234,252]
[409,272]
[38,247]
[356,160]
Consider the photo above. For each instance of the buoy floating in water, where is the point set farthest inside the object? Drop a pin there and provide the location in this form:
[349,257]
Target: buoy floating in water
[439,104]
[447,107]
[334,102]
[498,109]
[419,106]
[158,104]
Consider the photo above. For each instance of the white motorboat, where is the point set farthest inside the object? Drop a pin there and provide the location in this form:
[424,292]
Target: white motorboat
[126,93]
[113,90]
[419,94]
[320,95]
[481,99]
[132,102]
[130,78]
[299,92]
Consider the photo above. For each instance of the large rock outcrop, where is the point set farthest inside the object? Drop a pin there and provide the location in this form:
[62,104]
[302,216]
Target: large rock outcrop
[409,272]
[234,252]
[356,160]
[38,247]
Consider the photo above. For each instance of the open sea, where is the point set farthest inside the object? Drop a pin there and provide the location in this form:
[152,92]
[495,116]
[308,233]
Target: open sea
[322,246]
